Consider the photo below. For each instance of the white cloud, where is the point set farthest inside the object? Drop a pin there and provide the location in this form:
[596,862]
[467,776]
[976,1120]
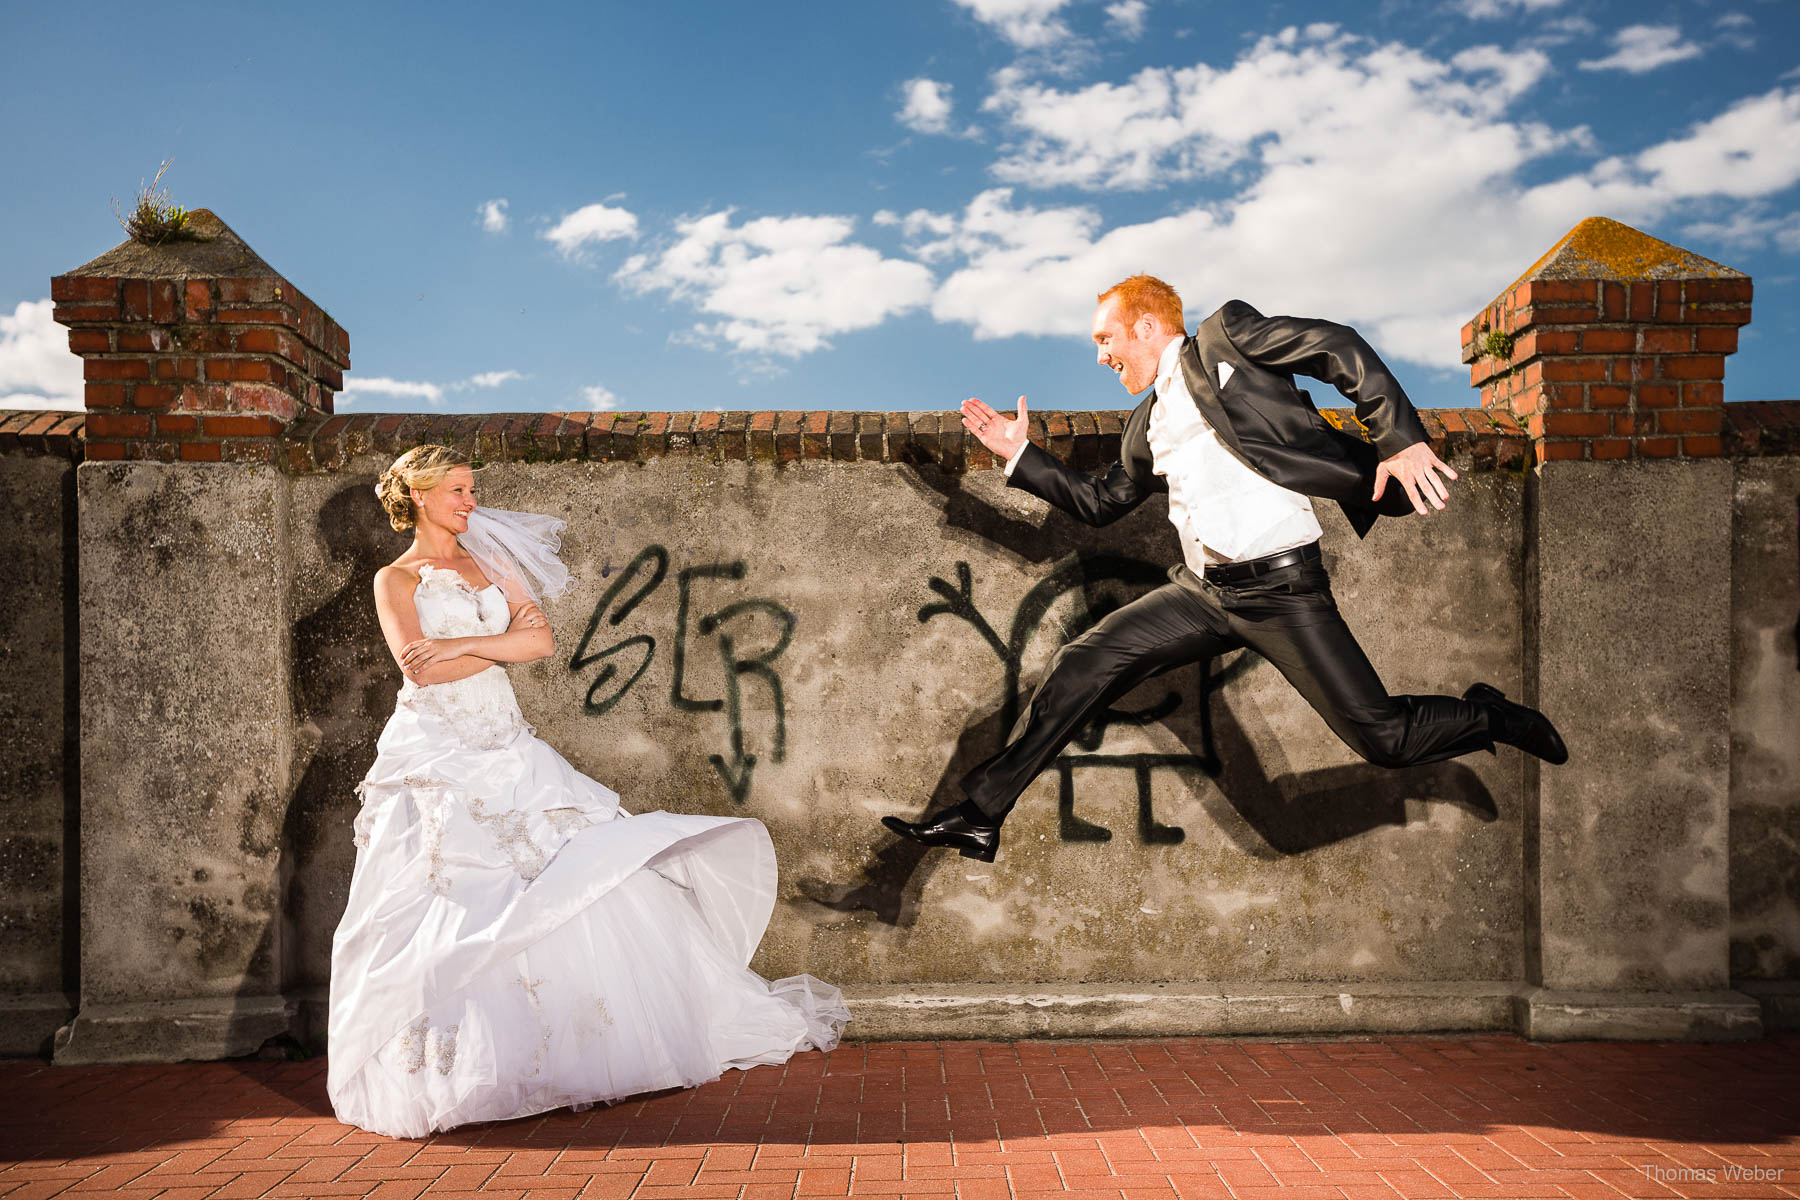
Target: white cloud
[36,368]
[926,108]
[1513,71]
[1027,24]
[356,389]
[1641,48]
[1126,18]
[1750,229]
[1483,10]
[1317,93]
[1736,30]
[1372,184]
[491,379]
[1559,32]
[599,399]
[778,285]
[592,224]
[1750,149]
[493,215]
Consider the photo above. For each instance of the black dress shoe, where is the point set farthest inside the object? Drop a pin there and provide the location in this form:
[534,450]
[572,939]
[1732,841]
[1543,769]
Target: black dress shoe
[1516,725]
[951,829]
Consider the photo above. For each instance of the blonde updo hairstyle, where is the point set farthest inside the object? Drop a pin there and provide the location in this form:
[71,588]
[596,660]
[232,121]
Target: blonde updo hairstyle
[422,467]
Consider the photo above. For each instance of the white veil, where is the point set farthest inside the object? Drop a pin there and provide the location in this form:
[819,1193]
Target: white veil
[518,551]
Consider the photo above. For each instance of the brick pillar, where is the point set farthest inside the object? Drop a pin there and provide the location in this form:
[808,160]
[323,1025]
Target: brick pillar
[1612,346]
[198,356]
[1611,352]
[196,351]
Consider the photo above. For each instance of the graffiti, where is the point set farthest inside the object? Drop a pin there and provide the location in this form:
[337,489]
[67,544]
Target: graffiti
[1090,574]
[581,659]
[731,628]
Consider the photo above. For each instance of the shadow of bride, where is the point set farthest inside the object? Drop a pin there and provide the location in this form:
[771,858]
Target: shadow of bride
[344,684]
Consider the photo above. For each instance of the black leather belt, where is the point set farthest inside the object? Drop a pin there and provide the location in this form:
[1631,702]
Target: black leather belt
[1250,568]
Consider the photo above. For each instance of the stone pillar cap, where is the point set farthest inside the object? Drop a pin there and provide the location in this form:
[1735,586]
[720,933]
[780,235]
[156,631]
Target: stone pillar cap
[207,249]
[1601,248]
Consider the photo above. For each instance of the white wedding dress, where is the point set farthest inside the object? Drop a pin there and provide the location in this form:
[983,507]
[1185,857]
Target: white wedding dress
[514,941]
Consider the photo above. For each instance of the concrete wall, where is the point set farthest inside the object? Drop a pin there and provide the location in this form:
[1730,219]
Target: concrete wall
[1634,585]
[233,682]
[1256,820]
[39,781]
[187,740]
[1765,721]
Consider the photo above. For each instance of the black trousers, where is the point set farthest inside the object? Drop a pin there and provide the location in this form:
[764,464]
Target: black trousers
[1288,616]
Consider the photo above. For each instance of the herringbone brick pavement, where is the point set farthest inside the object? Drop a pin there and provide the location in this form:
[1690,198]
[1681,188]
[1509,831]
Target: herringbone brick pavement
[1375,1119]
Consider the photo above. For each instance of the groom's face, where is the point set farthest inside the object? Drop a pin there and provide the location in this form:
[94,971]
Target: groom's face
[1130,351]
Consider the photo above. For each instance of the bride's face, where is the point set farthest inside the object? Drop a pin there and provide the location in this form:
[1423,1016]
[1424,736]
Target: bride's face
[449,504]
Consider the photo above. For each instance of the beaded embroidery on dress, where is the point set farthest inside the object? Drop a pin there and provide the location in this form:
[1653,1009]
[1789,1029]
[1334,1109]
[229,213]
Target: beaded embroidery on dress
[514,941]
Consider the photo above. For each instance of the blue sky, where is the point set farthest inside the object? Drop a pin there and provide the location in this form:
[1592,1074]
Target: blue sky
[811,205]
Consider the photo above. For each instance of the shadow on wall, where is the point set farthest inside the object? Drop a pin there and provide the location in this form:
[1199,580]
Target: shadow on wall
[1265,817]
[344,685]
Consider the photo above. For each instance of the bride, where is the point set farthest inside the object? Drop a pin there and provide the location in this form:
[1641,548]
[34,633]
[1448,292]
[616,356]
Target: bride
[514,941]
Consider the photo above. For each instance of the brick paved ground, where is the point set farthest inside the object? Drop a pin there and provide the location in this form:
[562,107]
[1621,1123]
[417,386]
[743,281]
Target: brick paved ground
[1484,1116]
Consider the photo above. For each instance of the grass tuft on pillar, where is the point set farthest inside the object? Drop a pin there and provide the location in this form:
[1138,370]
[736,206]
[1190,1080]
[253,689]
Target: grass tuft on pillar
[155,218]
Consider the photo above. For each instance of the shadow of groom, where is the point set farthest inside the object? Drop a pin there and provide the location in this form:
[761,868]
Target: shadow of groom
[1266,817]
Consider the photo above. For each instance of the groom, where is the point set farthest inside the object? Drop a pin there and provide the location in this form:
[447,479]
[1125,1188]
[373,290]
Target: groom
[1241,453]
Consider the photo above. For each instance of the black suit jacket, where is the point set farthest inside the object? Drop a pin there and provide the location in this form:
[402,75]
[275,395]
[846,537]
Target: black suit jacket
[1267,422]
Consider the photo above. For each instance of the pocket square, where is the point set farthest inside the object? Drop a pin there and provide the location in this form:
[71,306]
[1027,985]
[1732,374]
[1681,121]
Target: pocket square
[1225,373]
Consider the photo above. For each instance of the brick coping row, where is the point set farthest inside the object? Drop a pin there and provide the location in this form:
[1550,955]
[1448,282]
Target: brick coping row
[1471,438]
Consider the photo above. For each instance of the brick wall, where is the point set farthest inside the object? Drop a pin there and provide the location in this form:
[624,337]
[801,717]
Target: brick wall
[1474,439]
[196,351]
[1612,346]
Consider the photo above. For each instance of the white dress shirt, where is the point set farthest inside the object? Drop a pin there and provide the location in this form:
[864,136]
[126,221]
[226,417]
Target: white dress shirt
[1222,510]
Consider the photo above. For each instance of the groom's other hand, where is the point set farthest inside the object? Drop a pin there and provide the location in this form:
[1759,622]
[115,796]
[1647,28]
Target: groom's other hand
[1414,468]
[1004,436]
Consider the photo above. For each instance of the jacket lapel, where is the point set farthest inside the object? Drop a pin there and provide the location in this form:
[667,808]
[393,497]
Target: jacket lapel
[1199,368]
[1134,444]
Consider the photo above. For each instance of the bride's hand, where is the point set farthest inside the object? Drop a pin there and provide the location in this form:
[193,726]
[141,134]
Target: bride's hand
[416,656]
[530,617]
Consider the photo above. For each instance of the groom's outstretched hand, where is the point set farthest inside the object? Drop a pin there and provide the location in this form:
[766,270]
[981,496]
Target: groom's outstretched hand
[1001,434]
[1414,469]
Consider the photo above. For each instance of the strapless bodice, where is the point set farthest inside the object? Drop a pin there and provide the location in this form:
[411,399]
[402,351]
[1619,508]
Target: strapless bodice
[480,711]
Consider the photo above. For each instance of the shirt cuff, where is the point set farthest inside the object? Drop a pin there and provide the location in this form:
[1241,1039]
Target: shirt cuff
[1014,460]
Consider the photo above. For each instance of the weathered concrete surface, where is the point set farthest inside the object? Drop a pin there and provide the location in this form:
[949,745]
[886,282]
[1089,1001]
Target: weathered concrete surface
[186,747]
[1780,1000]
[1765,722]
[1549,1015]
[198,1028]
[1634,594]
[1297,861]
[987,1011]
[37,712]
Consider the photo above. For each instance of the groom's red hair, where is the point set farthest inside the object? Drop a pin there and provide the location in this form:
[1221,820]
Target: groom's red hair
[1146,294]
